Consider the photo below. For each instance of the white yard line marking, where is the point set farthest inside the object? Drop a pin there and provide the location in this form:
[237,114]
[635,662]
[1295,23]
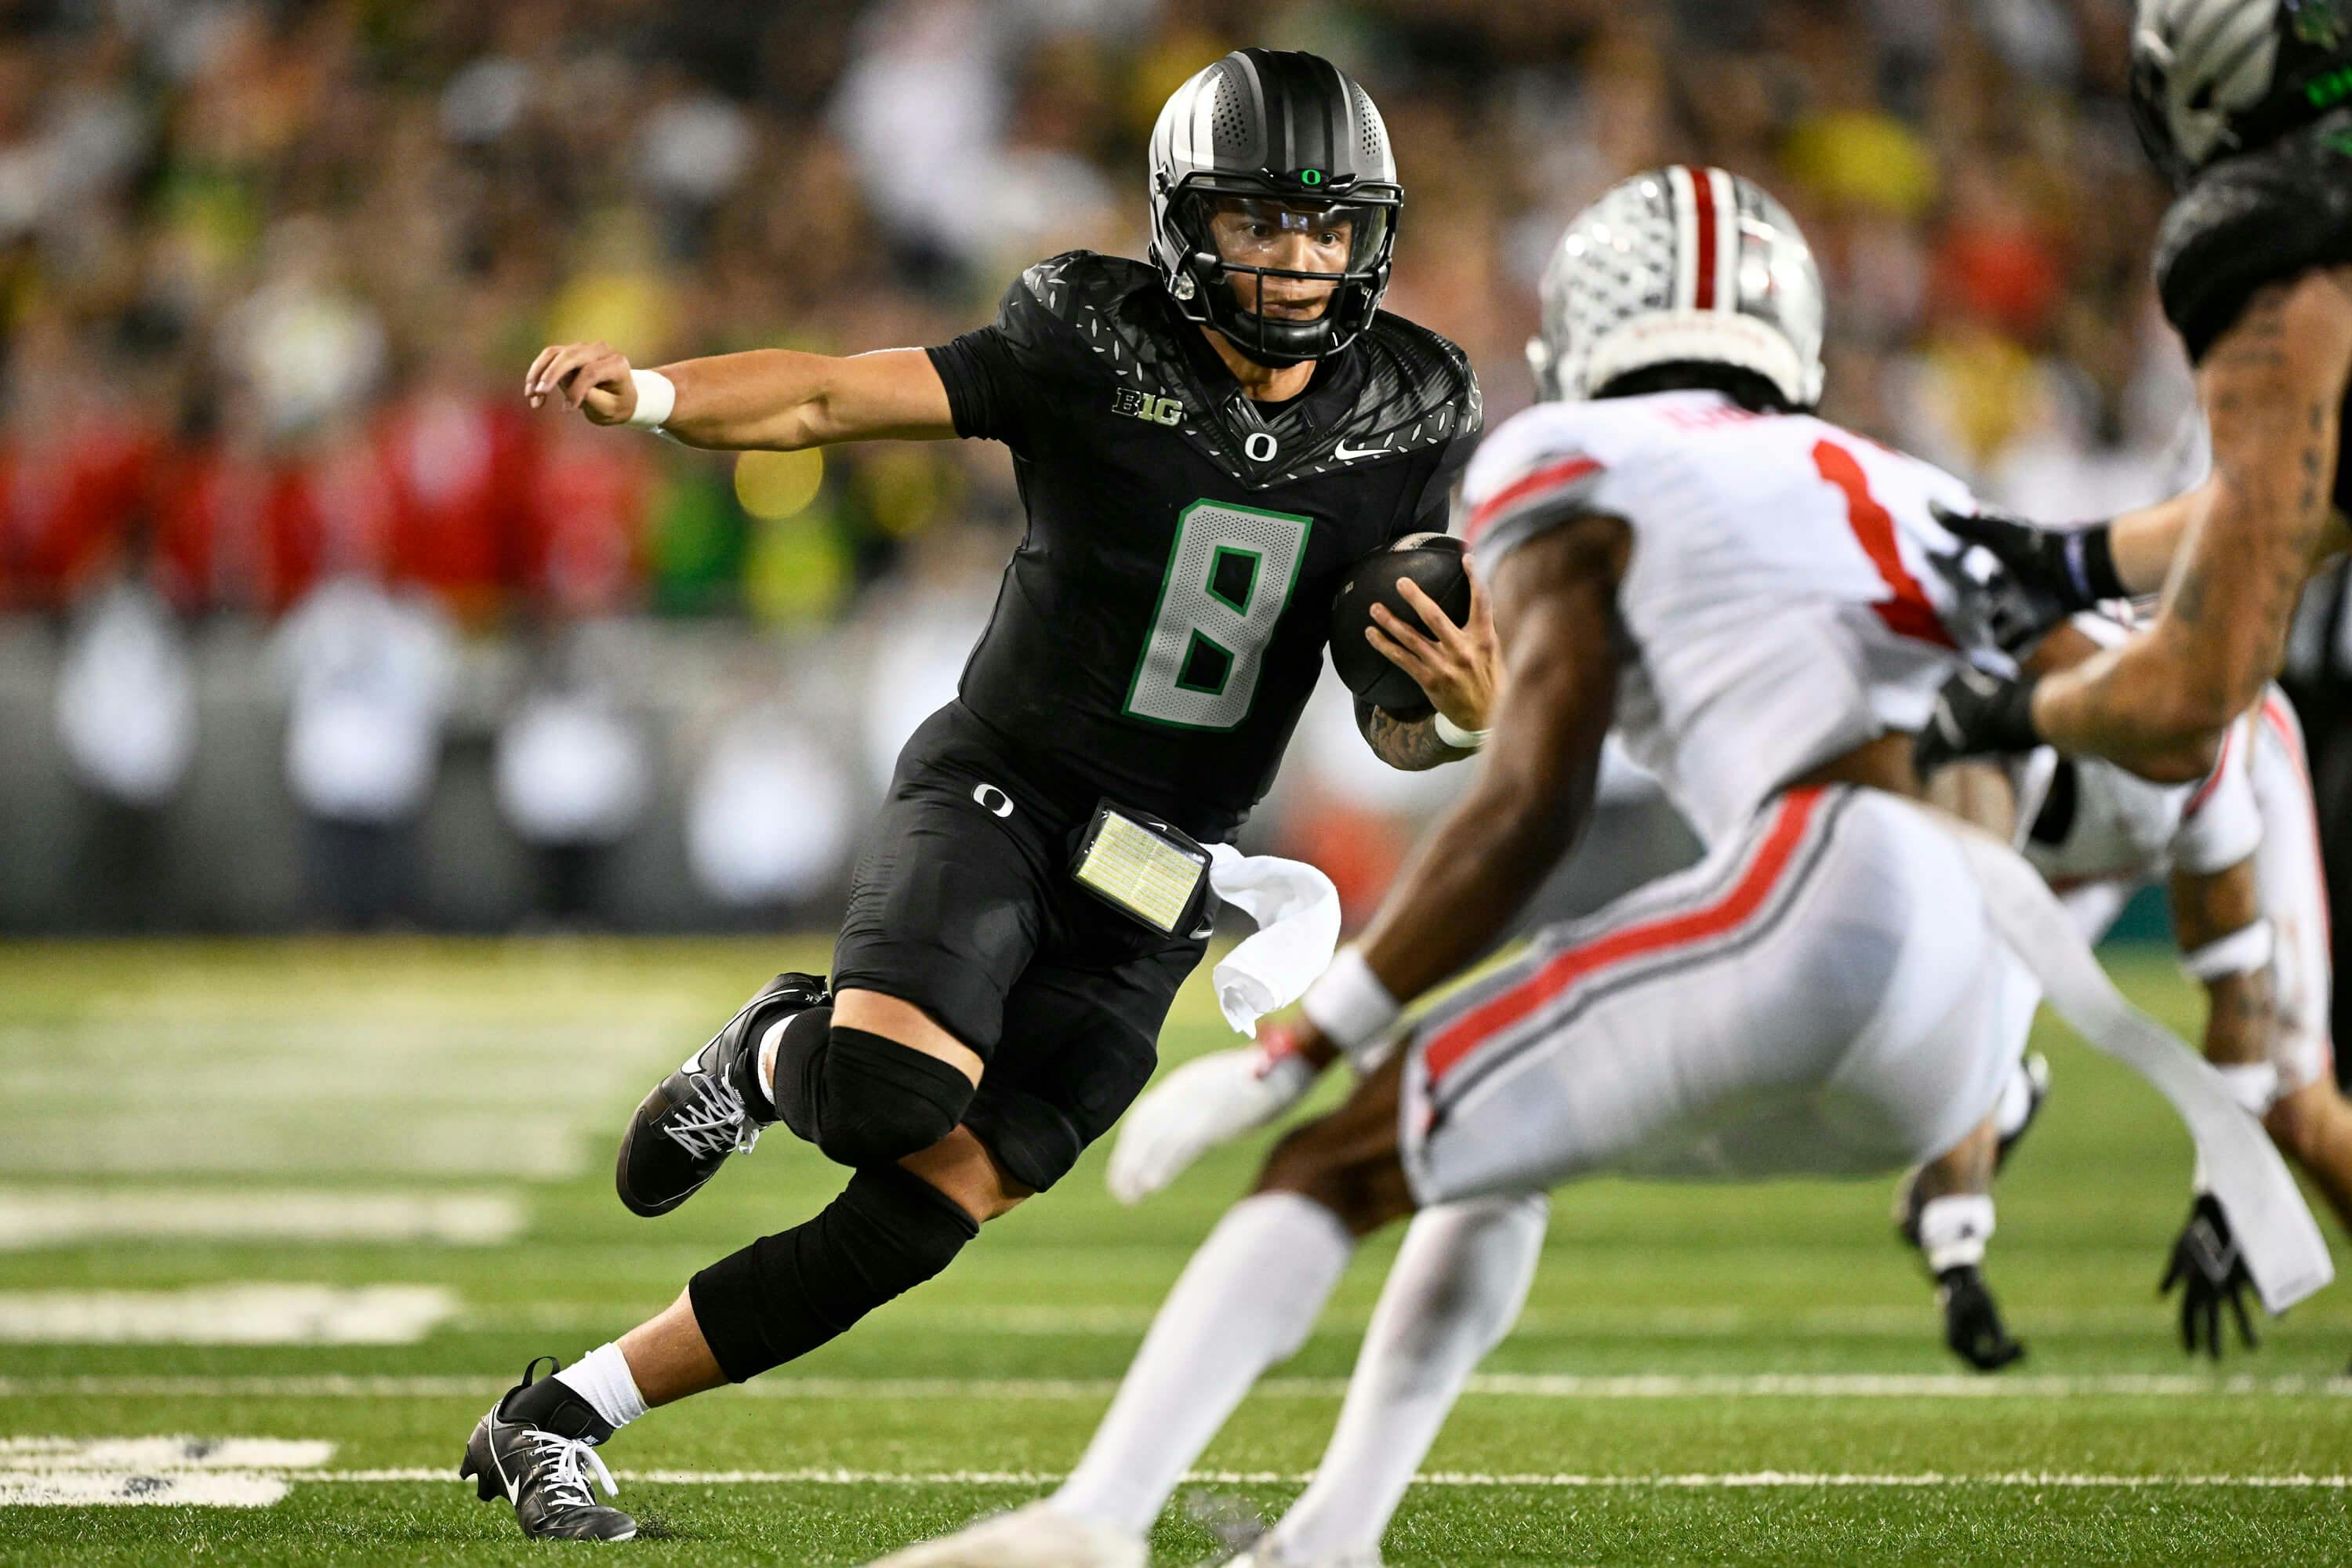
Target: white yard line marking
[1908,1323]
[1736,1481]
[250,1314]
[202,1473]
[163,1453]
[64,1217]
[84,1488]
[1508,1385]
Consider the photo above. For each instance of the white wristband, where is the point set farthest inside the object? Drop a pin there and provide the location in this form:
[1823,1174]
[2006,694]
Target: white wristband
[1953,1230]
[1348,1002]
[1460,738]
[2254,1085]
[656,396]
[2242,951]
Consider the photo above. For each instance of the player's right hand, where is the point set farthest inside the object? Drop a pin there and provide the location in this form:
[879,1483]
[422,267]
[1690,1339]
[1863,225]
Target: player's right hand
[1210,1100]
[2211,1270]
[591,378]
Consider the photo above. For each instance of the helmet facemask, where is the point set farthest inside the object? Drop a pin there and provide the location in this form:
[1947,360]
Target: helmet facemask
[1238,242]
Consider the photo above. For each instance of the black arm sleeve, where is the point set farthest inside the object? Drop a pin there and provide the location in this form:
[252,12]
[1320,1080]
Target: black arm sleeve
[981,376]
[1007,379]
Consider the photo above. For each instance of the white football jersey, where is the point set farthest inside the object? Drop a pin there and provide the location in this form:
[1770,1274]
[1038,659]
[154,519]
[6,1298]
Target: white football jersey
[2109,832]
[1780,598]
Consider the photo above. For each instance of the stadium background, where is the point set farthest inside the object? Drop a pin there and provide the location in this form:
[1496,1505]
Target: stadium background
[306,620]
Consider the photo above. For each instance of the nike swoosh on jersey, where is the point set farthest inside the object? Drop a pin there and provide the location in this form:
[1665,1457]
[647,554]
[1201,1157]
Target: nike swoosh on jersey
[1349,455]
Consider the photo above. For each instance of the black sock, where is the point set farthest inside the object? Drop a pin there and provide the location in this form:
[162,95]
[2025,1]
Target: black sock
[785,1295]
[556,1405]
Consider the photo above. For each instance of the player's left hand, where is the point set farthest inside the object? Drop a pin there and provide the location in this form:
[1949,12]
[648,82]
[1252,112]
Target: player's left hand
[1972,1324]
[1978,715]
[1207,1101]
[2210,1271]
[2013,579]
[1459,668]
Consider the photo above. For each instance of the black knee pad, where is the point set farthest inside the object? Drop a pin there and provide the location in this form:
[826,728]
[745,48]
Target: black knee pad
[873,1102]
[786,1294]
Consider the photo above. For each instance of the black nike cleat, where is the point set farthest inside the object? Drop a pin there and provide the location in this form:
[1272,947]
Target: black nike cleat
[542,1462]
[708,1108]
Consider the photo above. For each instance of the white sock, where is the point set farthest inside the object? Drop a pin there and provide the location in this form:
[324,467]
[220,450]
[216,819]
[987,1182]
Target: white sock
[601,1377]
[1953,1230]
[1457,1285]
[1245,1302]
[770,1044]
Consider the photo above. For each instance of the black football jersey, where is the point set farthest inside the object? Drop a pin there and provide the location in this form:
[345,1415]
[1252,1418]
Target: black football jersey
[2256,218]
[1164,618]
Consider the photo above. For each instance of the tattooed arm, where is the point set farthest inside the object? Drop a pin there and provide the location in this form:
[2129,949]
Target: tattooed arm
[2272,388]
[1411,744]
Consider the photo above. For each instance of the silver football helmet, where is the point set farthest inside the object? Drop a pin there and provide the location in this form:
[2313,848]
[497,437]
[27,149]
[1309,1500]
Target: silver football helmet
[1681,265]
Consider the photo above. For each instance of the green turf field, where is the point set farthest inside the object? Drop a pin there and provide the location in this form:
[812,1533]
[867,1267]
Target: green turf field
[298,1150]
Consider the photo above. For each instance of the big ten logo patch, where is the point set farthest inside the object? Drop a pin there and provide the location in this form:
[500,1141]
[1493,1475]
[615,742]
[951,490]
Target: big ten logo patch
[1138,405]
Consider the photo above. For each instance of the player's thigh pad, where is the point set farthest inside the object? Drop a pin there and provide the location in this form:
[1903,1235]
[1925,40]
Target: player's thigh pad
[946,905]
[1750,1017]
[1080,1042]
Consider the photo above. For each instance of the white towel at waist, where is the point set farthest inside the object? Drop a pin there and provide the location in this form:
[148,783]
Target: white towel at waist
[1297,914]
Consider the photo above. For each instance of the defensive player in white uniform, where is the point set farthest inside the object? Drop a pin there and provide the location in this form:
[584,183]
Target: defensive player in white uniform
[1672,544]
[2238,854]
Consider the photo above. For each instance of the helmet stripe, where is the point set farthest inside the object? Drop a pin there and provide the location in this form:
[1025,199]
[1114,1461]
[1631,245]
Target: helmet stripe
[1704,262]
[1685,252]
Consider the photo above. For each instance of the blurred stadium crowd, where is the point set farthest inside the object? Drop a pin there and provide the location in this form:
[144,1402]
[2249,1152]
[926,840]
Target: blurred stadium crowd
[269,274]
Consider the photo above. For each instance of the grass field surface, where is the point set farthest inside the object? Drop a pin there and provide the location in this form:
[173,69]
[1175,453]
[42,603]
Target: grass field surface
[279,1221]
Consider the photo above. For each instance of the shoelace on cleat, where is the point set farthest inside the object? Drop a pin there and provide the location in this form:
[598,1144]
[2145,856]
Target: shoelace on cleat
[564,1482]
[714,1123]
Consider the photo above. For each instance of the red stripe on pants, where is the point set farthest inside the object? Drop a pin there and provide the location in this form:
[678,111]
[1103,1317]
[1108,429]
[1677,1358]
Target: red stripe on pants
[1460,1039]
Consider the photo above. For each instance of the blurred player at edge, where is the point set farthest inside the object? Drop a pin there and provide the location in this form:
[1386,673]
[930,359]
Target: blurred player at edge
[2247,106]
[1676,547]
[1204,443]
[2238,854]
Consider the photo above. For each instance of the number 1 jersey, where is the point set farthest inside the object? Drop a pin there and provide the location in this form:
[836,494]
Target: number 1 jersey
[1163,621]
[1780,602]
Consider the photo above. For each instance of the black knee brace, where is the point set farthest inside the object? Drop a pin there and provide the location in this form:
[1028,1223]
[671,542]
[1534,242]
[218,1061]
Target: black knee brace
[785,1295]
[862,1097]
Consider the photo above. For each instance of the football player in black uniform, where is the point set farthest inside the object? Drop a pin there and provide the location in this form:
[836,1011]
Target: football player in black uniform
[1204,443]
[2247,106]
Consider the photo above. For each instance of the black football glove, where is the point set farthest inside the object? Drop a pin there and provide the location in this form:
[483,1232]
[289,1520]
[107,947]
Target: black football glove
[1972,1325]
[2047,573]
[1978,715]
[2210,1271]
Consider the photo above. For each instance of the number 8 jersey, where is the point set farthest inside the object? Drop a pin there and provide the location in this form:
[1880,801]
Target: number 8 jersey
[1781,599]
[1163,621]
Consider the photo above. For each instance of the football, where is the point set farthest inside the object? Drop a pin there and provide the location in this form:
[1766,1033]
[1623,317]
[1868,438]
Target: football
[1434,562]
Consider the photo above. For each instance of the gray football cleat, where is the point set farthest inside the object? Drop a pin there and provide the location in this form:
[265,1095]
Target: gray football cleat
[542,1464]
